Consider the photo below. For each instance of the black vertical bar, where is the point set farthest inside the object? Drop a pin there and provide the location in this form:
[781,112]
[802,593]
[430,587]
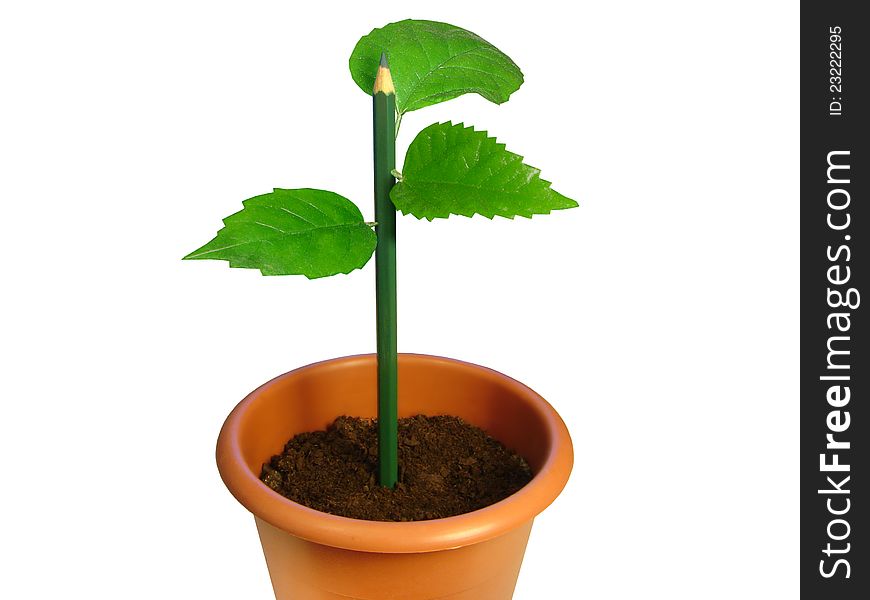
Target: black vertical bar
[835,367]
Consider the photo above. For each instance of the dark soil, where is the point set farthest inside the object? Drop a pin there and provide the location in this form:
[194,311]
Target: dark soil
[446,467]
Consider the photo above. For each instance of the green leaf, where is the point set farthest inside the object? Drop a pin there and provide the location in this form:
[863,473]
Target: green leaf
[453,169]
[294,232]
[431,62]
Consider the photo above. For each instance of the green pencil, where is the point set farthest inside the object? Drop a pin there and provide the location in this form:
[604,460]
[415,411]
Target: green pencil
[384,120]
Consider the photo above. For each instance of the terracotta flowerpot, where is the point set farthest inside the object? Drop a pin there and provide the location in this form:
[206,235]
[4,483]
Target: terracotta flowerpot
[312,555]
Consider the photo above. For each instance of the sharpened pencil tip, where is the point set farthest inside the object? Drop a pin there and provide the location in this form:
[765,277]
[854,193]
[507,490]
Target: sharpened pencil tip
[383,79]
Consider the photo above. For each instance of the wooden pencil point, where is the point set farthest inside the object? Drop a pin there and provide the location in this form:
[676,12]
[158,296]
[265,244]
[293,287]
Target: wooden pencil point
[383,79]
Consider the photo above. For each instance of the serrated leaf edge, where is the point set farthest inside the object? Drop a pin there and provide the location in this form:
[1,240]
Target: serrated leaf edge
[501,146]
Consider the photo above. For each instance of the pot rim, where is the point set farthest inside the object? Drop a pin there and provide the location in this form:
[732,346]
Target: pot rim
[399,537]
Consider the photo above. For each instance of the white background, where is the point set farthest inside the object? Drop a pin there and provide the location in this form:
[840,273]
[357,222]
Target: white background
[660,318]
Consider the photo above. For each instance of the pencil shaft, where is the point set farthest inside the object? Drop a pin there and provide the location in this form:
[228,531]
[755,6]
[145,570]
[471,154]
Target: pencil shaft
[384,105]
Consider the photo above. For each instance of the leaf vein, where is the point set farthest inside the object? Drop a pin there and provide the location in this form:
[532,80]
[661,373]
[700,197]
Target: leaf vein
[429,74]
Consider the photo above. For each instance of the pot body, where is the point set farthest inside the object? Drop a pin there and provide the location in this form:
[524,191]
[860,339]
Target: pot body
[303,570]
[316,556]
